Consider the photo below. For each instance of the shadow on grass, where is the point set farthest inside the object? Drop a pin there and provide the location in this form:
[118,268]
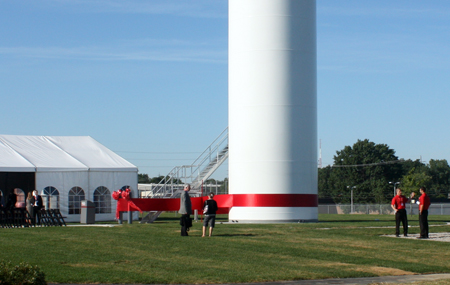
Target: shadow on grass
[235,235]
[354,221]
[166,219]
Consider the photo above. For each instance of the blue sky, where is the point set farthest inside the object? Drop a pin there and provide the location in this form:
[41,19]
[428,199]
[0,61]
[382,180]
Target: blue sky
[148,79]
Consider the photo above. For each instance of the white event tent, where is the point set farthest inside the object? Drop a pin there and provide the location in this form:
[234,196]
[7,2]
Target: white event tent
[65,170]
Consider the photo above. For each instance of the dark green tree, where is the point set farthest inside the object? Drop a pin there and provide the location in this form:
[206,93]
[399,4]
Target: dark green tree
[143,178]
[224,187]
[439,171]
[325,189]
[163,179]
[367,166]
[415,179]
[157,179]
[409,164]
[211,181]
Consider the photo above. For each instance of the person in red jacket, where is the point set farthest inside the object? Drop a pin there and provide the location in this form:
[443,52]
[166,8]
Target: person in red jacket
[399,205]
[424,204]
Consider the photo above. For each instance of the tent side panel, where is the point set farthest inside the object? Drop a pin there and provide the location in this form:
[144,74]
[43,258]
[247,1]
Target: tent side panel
[64,182]
[113,181]
[89,182]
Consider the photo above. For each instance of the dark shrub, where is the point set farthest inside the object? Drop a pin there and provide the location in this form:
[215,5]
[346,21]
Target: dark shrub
[22,274]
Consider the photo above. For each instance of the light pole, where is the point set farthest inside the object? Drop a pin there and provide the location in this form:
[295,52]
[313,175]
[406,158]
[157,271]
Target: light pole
[395,186]
[351,197]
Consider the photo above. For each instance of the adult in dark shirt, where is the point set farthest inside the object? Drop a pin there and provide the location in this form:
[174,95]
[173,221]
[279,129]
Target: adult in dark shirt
[424,204]
[209,210]
[36,201]
[12,200]
[1,200]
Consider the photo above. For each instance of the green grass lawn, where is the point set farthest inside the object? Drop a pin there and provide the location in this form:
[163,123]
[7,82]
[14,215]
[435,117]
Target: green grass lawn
[338,246]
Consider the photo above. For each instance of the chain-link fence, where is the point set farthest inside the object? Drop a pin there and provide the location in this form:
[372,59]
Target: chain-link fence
[380,209]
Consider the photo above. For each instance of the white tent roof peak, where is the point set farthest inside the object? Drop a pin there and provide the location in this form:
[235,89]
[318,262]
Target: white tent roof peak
[93,154]
[58,153]
[10,160]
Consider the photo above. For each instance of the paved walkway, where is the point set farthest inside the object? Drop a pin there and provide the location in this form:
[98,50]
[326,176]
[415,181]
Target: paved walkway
[444,237]
[370,280]
[346,281]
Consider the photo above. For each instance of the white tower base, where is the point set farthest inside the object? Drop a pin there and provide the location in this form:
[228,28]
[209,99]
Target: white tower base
[261,215]
[273,108]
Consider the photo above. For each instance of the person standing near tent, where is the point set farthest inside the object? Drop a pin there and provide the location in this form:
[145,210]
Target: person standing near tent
[2,202]
[29,206]
[185,210]
[12,200]
[424,204]
[209,209]
[399,205]
[37,206]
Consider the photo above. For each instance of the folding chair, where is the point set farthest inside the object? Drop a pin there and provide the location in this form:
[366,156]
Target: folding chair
[57,214]
[2,218]
[43,219]
[17,219]
[51,218]
[7,218]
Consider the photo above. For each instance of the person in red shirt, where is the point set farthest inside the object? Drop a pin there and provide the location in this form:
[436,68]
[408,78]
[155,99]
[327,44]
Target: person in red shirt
[399,205]
[424,204]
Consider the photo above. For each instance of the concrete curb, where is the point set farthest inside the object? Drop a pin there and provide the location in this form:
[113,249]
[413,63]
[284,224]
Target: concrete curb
[346,281]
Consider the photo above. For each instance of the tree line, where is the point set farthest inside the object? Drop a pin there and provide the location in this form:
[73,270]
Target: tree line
[373,170]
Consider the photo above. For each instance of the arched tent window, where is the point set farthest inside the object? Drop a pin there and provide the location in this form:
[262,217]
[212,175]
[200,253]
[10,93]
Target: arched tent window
[20,198]
[76,195]
[50,197]
[102,200]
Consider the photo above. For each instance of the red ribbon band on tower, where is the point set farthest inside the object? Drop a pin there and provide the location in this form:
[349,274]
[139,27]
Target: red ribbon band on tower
[224,202]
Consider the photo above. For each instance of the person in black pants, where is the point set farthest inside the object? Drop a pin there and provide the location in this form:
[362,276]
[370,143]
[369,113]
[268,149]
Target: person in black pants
[1,200]
[185,210]
[398,204]
[12,200]
[209,210]
[36,201]
[424,204]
